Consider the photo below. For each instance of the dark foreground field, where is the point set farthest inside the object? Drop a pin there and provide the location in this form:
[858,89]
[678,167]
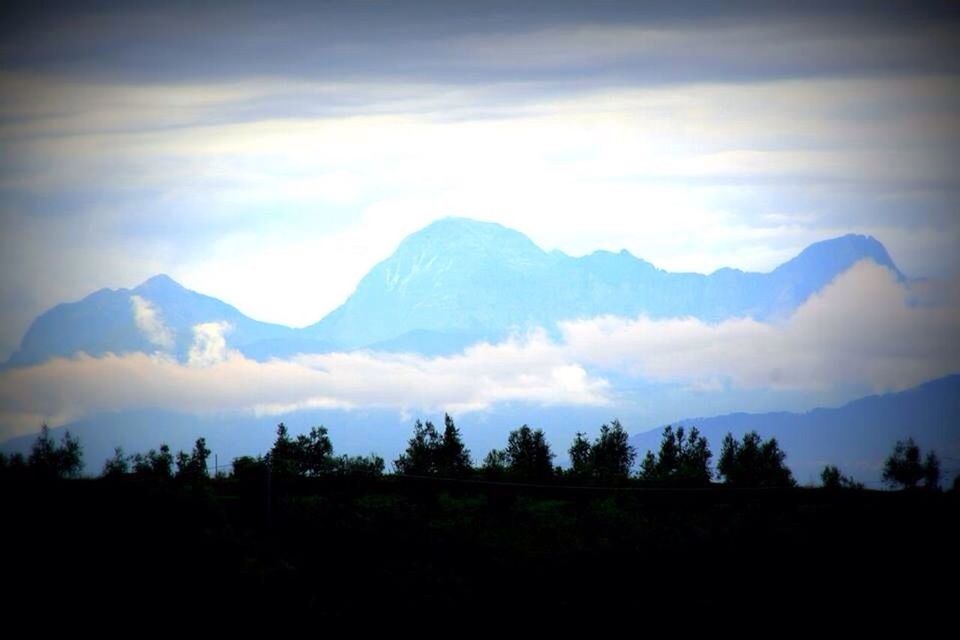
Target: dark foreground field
[414,548]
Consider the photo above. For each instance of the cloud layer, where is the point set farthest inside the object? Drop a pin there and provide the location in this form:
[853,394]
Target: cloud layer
[865,330]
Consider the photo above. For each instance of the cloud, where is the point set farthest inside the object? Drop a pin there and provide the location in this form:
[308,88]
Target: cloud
[863,329]
[148,321]
[216,379]
[209,344]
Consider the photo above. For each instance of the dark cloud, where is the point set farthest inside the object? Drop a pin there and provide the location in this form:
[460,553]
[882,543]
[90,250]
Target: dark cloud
[150,41]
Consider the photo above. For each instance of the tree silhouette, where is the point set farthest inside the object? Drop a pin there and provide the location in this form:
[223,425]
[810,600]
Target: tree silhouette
[312,453]
[430,453]
[248,469]
[579,451]
[611,455]
[753,462]
[526,457]
[51,460]
[419,459]
[117,466]
[155,465]
[282,457]
[495,465]
[904,469]
[371,465]
[12,465]
[684,459]
[452,457]
[193,466]
[832,479]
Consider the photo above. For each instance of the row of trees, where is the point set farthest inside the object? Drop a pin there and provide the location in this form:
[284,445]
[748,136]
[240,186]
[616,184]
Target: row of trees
[307,455]
[159,465]
[682,460]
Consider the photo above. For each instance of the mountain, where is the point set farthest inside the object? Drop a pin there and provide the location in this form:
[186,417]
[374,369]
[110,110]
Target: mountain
[460,280]
[857,436]
[158,315]
[451,284]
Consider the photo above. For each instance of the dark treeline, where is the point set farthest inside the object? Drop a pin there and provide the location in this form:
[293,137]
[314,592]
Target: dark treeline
[683,460]
[302,533]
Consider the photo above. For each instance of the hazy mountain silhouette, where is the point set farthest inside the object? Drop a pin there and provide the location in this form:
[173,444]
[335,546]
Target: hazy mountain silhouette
[856,436]
[446,286]
[462,280]
[104,322]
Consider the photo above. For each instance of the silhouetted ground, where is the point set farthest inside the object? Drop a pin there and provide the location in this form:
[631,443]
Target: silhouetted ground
[347,548]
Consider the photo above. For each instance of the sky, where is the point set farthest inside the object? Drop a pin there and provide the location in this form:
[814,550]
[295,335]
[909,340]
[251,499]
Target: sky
[270,154]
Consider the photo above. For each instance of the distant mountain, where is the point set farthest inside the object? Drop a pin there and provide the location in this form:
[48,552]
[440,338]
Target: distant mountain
[107,321]
[857,436]
[451,284]
[468,280]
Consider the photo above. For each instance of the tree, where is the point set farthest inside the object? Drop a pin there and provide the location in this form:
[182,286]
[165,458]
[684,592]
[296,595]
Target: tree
[155,465]
[452,457]
[832,479]
[753,462]
[193,466]
[611,455]
[248,468]
[430,452]
[117,466]
[495,465]
[371,465]
[580,456]
[282,457]
[528,455]
[931,471]
[419,459]
[684,458]
[12,465]
[312,453]
[51,460]
[903,467]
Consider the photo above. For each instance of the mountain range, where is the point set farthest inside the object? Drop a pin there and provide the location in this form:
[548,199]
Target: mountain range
[451,284]
[459,281]
[857,436]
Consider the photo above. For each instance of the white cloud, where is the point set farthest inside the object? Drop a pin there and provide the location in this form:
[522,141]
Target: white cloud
[216,379]
[150,323]
[209,344]
[862,329]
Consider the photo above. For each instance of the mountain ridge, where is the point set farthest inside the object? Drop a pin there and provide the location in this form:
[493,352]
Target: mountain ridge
[860,433]
[454,282]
